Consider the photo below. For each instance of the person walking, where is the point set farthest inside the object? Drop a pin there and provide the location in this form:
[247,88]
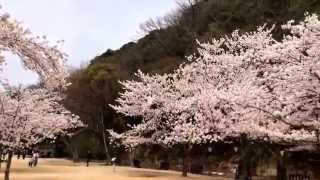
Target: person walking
[30,163]
[18,154]
[31,160]
[89,157]
[35,159]
[24,154]
[113,161]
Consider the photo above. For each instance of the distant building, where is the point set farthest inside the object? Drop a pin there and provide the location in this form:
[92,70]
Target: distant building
[302,163]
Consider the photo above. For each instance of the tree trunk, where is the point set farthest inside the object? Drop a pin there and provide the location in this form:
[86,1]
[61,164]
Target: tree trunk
[75,154]
[131,157]
[185,167]
[7,171]
[281,167]
[186,160]
[155,161]
[73,149]
[244,169]
[106,150]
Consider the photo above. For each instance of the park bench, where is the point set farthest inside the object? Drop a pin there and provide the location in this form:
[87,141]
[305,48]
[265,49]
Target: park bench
[136,163]
[164,165]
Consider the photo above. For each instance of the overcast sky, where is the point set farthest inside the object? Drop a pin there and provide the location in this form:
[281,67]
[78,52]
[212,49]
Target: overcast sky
[89,27]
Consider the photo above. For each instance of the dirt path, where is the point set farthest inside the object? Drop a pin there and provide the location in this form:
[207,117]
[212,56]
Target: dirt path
[57,169]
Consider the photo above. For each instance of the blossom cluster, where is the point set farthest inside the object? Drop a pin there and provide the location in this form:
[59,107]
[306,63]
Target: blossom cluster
[36,53]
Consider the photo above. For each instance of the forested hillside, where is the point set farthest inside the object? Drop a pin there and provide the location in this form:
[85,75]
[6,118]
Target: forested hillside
[166,43]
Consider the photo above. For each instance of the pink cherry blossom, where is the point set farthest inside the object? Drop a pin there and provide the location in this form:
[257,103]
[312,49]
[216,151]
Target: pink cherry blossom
[241,84]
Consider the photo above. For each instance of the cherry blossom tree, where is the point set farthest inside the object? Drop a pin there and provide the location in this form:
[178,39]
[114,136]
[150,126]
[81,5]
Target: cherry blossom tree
[287,74]
[290,77]
[274,96]
[168,114]
[187,107]
[271,89]
[244,84]
[29,116]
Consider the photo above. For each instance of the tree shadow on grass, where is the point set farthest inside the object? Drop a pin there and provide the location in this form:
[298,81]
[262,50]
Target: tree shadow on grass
[28,170]
[147,174]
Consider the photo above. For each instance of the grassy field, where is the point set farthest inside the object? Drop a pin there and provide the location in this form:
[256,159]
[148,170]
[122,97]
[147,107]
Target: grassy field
[57,169]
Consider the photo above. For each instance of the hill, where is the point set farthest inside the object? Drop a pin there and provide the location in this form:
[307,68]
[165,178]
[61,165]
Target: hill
[166,43]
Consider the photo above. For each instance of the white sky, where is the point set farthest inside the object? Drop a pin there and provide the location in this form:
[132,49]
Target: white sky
[89,27]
